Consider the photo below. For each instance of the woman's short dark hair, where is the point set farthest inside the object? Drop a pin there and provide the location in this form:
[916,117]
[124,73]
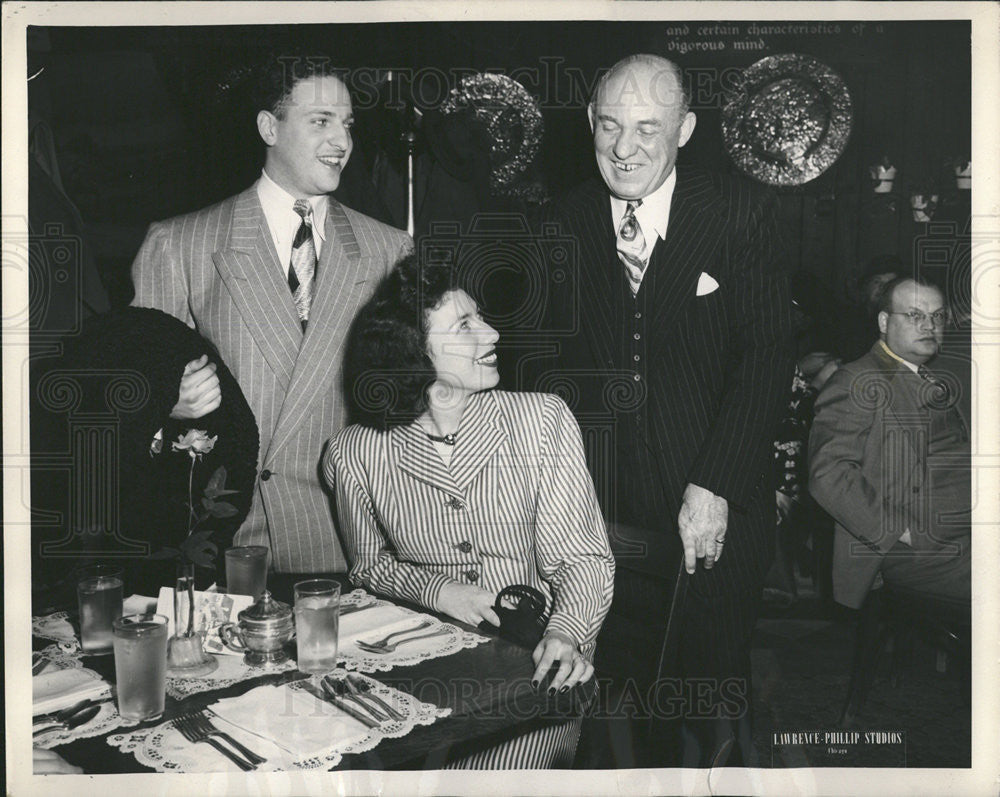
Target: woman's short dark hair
[387,370]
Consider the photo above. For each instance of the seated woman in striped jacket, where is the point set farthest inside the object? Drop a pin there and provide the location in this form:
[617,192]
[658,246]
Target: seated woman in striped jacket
[448,491]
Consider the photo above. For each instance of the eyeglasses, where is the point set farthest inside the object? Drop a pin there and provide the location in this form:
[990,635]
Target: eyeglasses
[938,318]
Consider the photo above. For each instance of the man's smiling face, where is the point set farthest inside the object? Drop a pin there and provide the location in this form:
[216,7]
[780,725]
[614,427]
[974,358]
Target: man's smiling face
[639,123]
[310,142]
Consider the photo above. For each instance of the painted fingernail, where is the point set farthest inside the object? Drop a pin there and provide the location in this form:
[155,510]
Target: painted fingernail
[552,691]
[534,684]
[563,689]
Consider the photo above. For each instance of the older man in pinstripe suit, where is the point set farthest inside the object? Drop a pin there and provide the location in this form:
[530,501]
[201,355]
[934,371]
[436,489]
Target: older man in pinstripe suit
[273,277]
[678,346]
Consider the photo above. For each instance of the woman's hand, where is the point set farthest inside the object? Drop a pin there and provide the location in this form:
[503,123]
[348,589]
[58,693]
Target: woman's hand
[46,762]
[468,603]
[573,666]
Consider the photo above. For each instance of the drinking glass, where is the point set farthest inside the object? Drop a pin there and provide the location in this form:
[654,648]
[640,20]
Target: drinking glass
[99,596]
[140,642]
[246,570]
[317,616]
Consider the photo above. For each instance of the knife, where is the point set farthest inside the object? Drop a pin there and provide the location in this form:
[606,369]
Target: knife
[66,713]
[74,721]
[326,697]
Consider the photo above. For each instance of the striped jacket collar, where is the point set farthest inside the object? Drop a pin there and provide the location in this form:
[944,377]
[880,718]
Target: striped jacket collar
[480,434]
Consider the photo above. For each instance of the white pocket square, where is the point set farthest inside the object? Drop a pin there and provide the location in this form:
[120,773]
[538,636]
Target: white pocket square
[706,285]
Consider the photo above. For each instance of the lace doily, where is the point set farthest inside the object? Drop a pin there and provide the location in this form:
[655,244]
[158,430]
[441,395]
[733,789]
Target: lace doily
[105,721]
[164,749]
[452,640]
[64,655]
[231,671]
[55,626]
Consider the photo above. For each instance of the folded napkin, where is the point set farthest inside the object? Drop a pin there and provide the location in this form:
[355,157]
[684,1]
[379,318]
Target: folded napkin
[55,690]
[138,604]
[296,722]
[53,626]
[372,624]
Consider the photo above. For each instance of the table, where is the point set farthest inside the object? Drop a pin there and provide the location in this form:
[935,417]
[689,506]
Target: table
[487,687]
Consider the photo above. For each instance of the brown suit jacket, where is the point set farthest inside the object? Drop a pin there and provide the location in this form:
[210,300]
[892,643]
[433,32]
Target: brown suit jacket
[216,270]
[868,452]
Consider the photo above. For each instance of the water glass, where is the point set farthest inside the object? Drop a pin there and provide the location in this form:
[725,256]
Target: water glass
[140,642]
[246,570]
[317,616]
[99,596]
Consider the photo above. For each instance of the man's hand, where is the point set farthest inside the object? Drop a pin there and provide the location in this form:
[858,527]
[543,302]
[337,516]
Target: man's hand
[199,393]
[573,666]
[702,525]
[468,603]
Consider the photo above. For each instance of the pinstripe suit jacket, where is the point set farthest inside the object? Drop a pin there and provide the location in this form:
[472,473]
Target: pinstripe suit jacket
[216,270]
[715,368]
[515,506]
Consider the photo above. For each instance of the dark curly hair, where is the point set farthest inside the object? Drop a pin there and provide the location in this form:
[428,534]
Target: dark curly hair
[387,370]
[278,74]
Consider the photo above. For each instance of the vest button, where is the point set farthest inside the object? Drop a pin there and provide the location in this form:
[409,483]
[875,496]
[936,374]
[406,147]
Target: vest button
[472,575]
[455,503]
[465,546]
[265,475]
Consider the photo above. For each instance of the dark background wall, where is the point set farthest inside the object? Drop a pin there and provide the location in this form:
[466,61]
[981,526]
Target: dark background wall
[143,130]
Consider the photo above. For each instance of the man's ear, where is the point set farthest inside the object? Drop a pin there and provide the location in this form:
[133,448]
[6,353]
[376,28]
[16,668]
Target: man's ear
[883,322]
[267,126]
[687,128]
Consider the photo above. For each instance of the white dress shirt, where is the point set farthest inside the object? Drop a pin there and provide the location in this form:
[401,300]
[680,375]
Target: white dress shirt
[653,214]
[283,221]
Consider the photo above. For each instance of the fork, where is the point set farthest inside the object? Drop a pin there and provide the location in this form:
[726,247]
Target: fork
[384,641]
[345,691]
[389,648]
[204,724]
[361,688]
[193,735]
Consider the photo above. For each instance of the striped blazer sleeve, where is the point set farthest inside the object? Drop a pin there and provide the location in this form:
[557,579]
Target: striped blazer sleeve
[571,541]
[373,562]
[159,276]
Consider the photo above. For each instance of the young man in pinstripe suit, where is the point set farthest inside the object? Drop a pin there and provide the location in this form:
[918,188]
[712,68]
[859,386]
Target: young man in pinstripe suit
[679,345]
[273,277]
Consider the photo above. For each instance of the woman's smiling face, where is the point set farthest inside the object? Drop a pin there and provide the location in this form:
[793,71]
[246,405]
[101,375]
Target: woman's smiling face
[461,345]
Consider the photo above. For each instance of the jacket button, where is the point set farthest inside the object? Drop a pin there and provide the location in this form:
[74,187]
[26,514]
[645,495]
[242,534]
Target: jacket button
[455,503]
[265,475]
[472,575]
[465,546]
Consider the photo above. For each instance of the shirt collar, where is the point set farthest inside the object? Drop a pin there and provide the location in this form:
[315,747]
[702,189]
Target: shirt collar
[279,204]
[654,212]
[896,357]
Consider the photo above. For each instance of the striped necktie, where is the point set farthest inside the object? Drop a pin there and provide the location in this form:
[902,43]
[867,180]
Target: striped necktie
[632,246]
[302,274]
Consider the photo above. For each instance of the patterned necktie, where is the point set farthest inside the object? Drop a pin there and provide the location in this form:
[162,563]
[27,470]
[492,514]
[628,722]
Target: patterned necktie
[301,275]
[632,246]
[942,394]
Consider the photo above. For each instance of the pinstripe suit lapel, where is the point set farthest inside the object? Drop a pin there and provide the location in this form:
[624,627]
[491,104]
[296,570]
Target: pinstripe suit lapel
[416,455]
[345,273]
[480,435]
[249,268]
[694,233]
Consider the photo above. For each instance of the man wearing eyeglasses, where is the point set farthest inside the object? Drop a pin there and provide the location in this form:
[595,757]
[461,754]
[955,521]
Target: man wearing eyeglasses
[890,457]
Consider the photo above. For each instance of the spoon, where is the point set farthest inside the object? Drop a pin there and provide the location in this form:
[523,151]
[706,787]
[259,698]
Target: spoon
[74,721]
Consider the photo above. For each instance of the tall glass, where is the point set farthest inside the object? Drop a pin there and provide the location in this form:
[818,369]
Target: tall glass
[246,570]
[317,617]
[141,665]
[99,596]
